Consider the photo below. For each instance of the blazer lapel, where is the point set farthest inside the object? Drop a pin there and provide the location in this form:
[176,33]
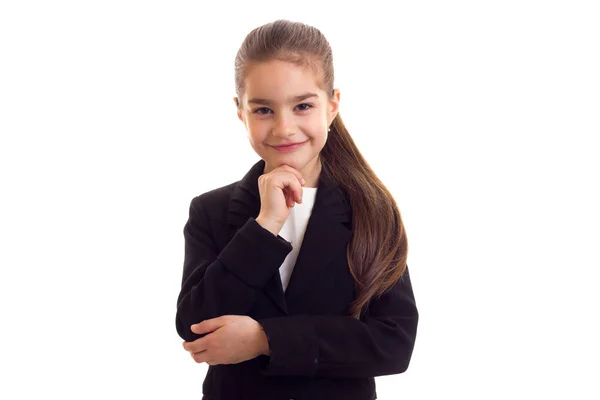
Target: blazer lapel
[328,229]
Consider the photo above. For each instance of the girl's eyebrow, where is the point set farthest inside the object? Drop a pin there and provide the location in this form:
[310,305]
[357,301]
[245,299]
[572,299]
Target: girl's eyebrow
[291,100]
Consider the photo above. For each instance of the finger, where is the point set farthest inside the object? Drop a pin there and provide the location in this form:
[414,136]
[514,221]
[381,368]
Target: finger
[289,197]
[200,357]
[197,345]
[296,173]
[208,325]
[296,189]
[289,184]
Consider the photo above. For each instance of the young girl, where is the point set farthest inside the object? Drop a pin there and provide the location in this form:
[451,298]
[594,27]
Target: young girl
[295,283]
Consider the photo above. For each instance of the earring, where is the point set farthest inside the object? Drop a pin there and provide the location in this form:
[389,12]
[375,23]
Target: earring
[329,129]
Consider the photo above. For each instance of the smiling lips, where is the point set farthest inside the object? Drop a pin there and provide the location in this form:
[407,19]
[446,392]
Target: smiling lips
[290,147]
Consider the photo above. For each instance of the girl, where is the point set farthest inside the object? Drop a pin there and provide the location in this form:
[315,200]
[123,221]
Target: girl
[295,283]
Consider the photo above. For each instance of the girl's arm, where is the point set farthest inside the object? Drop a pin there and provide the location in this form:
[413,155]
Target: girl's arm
[381,343]
[216,284]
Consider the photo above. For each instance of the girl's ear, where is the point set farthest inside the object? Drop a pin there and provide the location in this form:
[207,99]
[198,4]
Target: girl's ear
[334,105]
[239,111]
[240,115]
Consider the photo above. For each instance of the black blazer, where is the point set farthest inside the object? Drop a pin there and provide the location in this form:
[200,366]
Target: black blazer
[318,351]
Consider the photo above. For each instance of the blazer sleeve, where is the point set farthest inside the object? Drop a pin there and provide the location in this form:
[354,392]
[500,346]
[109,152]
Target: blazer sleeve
[380,343]
[225,283]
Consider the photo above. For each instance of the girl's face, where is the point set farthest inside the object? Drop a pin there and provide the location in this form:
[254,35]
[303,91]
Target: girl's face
[282,104]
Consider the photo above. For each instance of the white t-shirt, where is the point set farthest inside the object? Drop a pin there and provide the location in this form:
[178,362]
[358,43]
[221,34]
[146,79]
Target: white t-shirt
[293,231]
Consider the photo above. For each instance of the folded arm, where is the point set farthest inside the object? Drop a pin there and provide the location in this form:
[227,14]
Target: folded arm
[380,343]
[216,284]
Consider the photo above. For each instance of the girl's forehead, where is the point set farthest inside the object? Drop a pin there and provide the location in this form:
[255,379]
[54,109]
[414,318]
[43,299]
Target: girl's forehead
[277,91]
[278,73]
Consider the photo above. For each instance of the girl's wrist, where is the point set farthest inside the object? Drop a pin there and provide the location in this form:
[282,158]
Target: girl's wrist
[263,341]
[274,228]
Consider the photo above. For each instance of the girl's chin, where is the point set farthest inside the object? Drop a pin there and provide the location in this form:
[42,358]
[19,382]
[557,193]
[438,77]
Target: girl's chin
[276,162]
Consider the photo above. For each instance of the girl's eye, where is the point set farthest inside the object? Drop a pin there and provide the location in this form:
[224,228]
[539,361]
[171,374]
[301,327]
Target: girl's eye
[305,104]
[259,110]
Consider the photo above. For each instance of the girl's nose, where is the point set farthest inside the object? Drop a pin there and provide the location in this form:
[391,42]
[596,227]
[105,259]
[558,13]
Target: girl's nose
[283,126]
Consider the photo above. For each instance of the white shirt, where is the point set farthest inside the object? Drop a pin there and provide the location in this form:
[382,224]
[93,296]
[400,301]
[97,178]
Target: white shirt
[293,231]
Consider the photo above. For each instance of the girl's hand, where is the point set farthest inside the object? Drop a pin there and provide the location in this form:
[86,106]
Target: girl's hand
[233,339]
[279,190]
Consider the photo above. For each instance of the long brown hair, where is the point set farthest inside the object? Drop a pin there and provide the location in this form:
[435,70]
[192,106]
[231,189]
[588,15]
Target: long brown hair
[378,248]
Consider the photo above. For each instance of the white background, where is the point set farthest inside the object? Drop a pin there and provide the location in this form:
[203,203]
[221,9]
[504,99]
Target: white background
[481,117]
